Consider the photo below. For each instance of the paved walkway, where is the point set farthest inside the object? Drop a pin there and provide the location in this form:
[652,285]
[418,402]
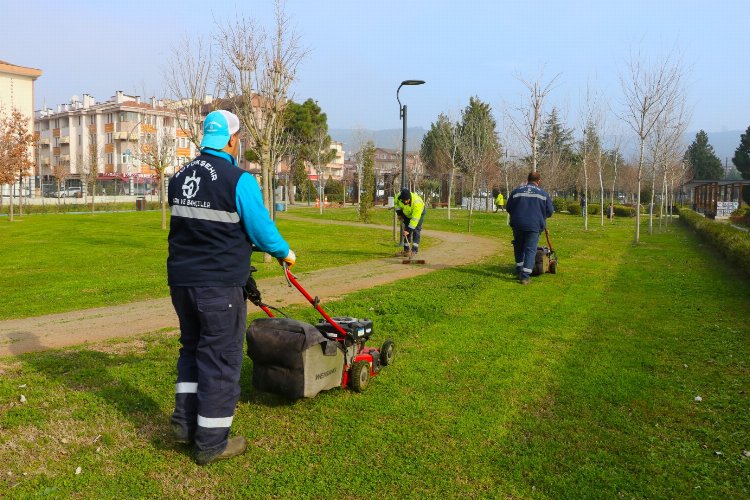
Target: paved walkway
[93,325]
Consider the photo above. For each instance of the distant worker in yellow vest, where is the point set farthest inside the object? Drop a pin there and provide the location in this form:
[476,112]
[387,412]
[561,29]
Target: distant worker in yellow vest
[410,209]
[499,202]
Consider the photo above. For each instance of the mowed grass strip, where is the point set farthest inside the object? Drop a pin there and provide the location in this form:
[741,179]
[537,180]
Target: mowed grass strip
[66,262]
[580,385]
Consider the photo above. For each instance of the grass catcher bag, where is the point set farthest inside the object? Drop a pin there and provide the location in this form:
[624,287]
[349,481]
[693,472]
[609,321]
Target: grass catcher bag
[292,358]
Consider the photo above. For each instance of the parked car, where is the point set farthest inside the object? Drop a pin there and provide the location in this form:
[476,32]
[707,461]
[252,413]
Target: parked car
[71,192]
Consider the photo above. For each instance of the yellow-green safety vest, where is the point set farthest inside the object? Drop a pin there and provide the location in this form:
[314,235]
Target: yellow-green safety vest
[413,211]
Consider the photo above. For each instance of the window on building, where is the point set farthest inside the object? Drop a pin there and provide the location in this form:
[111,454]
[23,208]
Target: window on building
[92,119]
[79,139]
[109,138]
[128,116]
[110,158]
[109,118]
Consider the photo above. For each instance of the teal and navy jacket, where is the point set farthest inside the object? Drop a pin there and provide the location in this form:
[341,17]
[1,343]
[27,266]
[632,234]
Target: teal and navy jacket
[413,211]
[217,216]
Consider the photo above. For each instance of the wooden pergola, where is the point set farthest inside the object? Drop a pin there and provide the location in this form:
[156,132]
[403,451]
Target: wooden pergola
[719,198]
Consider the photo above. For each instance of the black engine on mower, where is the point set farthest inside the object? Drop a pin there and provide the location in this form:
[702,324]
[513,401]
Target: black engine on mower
[357,330]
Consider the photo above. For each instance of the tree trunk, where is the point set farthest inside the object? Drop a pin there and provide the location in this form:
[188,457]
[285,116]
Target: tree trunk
[163,196]
[651,204]
[638,196]
[20,195]
[586,195]
[471,201]
[450,191]
[601,190]
[614,182]
[12,189]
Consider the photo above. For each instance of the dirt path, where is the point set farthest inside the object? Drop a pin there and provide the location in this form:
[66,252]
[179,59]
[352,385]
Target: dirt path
[92,325]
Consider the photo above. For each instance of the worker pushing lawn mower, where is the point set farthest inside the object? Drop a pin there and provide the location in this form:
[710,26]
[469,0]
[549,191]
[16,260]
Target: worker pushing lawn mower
[529,207]
[297,359]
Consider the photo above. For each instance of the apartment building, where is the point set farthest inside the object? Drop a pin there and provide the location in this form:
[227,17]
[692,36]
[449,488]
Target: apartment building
[387,170]
[116,139]
[17,92]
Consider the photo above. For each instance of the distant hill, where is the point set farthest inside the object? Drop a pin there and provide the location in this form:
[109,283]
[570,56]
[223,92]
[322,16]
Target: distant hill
[389,138]
[724,143]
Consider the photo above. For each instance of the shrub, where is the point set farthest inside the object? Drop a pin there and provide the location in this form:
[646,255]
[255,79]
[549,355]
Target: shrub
[733,243]
[560,204]
[624,211]
[741,216]
[574,208]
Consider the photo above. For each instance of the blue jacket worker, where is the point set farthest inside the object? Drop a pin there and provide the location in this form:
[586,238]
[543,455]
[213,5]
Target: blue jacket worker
[217,216]
[529,207]
[410,209]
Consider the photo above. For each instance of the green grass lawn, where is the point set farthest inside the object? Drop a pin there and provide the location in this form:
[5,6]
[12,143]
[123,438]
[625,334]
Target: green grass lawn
[65,262]
[581,385]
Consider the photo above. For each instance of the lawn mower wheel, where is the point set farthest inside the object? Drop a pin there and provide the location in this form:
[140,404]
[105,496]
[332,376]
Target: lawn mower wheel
[387,352]
[360,376]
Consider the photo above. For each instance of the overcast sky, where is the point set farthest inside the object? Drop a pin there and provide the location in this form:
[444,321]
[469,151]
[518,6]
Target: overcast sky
[360,50]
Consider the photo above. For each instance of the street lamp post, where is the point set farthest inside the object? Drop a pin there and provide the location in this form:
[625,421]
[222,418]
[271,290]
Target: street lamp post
[402,115]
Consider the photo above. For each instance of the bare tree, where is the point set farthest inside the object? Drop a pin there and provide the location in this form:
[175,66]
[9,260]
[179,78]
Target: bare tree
[60,173]
[479,148]
[444,139]
[615,158]
[157,150]
[592,115]
[648,90]
[530,123]
[188,80]
[256,75]
[91,172]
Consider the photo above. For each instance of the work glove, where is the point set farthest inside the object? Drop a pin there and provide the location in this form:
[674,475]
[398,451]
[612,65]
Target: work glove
[290,259]
[251,291]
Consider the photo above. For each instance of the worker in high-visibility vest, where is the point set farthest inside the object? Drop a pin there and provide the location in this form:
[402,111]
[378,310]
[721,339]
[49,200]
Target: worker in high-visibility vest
[411,209]
[499,202]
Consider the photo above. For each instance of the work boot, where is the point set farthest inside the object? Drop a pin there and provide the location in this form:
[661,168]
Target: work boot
[524,281]
[180,435]
[235,446]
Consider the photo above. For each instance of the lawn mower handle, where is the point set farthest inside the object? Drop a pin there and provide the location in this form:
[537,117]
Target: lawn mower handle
[546,232]
[292,280]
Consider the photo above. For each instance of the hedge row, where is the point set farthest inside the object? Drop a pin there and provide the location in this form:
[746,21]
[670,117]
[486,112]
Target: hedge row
[733,243]
[741,216]
[620,210]
[54,208]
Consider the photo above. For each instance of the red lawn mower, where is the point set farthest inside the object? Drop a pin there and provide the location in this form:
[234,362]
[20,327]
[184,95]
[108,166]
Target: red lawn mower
[296,359]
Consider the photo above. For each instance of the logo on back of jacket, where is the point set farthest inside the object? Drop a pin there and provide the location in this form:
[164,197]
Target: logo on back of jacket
[192,184]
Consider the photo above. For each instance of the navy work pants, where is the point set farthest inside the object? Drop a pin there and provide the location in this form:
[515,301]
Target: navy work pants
[212,333]
[524,248]
[416,233]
